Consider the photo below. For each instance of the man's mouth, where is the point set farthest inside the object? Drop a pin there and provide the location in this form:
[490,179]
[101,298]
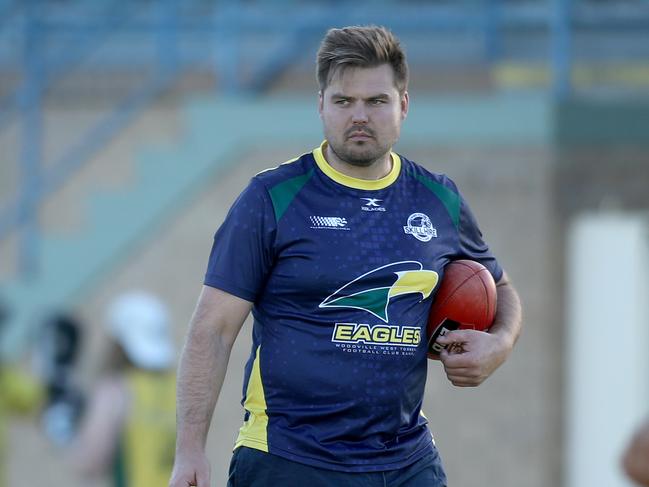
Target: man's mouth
[359,134]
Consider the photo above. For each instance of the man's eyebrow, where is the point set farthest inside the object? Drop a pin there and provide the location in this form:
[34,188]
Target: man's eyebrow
[378,96]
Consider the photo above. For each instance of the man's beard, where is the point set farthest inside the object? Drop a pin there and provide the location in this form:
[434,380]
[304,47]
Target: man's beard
[363,158]
[359,154]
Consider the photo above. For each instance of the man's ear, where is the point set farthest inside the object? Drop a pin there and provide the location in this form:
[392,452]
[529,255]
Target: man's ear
[405,105]
[320,102]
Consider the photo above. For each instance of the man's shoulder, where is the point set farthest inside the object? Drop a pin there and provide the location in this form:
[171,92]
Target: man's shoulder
[420,173]
[300,166]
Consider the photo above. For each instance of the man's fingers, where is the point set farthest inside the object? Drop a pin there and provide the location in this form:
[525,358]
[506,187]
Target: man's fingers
[455,360]
[462,370]
[203,479]
[455,336]
[196,478]
[464,381]
[464,377]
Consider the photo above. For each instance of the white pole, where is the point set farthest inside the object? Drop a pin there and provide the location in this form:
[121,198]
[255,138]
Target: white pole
[607,346]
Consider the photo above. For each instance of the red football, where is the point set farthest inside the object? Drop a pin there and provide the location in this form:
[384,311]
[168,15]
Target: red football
[466,299]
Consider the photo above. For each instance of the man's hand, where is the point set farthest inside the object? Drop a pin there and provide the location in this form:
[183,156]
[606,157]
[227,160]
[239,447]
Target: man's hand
[191,469]
[216,322]
[636,457]
[472,356]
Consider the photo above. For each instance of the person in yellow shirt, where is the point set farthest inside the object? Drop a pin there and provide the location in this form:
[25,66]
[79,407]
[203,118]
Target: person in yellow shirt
[128,429]
[21,394]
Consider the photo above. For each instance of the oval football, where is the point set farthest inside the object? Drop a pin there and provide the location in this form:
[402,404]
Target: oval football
[465,299]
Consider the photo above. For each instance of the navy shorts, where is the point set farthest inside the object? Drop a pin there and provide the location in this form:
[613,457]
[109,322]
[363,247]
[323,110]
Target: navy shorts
[254,468]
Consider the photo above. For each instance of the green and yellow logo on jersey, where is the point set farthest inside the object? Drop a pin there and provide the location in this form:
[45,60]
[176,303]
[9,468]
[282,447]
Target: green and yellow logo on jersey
[373,290]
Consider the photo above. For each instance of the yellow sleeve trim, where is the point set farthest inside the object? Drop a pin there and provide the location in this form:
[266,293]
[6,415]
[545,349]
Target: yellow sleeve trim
[254,432]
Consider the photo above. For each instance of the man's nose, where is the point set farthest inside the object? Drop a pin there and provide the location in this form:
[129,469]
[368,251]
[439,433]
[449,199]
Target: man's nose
[359,115]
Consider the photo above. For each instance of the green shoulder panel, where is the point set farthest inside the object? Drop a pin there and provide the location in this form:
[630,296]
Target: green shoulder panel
[449,198]
[283,193]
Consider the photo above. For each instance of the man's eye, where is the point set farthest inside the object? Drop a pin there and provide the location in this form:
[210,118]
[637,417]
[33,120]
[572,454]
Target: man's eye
[342,102]
[377,101]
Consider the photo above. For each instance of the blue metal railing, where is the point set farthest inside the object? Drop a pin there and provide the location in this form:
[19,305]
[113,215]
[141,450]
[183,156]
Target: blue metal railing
[38,73]
[74,50]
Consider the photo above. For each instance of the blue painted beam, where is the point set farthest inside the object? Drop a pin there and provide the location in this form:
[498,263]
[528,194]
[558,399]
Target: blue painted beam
[561,54]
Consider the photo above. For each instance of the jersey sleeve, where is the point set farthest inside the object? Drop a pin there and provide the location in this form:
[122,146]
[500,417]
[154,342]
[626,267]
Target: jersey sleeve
[243,249]
[471,243]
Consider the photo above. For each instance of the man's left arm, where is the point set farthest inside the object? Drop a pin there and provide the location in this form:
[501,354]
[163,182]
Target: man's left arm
[483,352]
[636,456]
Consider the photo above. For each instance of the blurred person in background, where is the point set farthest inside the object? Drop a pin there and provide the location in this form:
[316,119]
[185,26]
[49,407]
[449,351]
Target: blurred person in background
[330,251]
[636,457]
[58,349]
[20,393]
[128,430]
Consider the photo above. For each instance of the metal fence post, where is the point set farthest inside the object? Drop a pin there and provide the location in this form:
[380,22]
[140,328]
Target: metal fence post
[561,48]
[168,36]
[227,42]
[32,138]
[492,30]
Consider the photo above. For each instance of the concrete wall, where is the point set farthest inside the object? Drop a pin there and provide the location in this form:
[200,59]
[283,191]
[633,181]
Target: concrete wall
[65,211]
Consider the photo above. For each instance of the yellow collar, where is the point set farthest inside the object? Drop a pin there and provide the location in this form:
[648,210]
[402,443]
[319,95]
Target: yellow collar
[356,183]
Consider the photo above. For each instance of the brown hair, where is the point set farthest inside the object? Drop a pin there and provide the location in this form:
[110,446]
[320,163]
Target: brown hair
[360,46]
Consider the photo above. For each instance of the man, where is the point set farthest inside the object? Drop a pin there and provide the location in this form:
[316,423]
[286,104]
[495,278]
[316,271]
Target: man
[636,456]
[337,253]
[128,429]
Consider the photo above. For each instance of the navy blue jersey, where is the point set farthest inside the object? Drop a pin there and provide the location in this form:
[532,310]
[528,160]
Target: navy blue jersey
[342,273]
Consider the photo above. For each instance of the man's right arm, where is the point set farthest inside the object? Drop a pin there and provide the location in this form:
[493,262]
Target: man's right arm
[216,322]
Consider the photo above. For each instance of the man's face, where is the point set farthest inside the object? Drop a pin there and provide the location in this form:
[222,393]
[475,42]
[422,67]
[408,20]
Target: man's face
[362,112]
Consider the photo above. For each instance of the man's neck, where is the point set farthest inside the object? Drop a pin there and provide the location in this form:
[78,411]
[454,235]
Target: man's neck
[377,170]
